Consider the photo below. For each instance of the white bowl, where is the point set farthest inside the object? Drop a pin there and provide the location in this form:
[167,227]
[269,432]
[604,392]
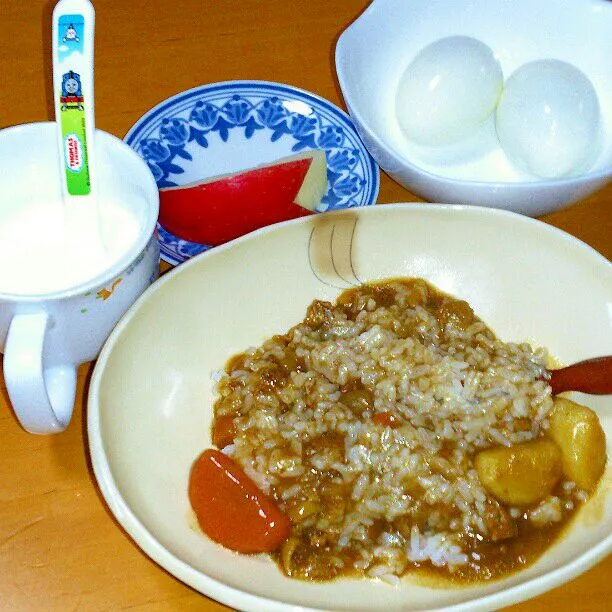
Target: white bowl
[149,411]
[373,52]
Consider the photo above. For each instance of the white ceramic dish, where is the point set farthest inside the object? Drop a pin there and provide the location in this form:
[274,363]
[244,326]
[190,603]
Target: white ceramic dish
[373,52]
[150,399]
[225,127]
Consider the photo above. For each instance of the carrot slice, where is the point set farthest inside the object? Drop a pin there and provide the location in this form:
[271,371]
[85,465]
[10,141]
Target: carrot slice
[223,431]
[386,419]
[231,509]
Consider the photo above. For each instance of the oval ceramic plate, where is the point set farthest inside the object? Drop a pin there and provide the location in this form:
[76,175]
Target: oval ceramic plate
[151,395]
[226,127]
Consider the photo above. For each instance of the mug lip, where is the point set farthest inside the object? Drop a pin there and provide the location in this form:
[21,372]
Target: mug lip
[147,232]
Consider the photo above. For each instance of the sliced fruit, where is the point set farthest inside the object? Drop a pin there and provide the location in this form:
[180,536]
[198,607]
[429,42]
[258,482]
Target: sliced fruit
[219,209]
[223,430]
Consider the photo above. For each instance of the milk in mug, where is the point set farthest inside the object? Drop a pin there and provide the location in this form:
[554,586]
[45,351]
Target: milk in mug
[49,246]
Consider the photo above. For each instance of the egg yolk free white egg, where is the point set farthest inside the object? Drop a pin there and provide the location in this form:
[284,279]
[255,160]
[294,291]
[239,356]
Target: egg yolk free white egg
[448,90]
[548,119]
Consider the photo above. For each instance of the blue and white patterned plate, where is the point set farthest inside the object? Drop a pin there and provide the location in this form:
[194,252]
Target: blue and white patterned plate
[227,127]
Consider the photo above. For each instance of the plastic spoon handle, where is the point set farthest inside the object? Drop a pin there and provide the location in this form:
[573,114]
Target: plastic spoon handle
[73,93]
[592,376]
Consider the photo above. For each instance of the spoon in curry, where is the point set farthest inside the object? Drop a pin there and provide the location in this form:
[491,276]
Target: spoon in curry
[593,376]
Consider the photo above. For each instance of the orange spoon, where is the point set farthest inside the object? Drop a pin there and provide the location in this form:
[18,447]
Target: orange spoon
[592,376]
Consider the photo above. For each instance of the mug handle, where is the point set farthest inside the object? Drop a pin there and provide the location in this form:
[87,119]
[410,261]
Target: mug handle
[43,398]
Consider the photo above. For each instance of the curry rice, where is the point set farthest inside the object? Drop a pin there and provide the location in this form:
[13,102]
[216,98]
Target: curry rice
[363,422]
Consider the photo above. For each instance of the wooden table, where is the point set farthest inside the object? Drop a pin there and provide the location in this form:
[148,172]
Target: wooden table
[60,548]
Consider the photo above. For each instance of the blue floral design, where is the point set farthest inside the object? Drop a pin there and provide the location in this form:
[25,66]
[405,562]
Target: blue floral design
[204,115]
[174,132]
[271,112]
[330,137]
[344,159]
[245,109]
[174,249]
[154,150]
[156,171]
[347,186]
[303,129]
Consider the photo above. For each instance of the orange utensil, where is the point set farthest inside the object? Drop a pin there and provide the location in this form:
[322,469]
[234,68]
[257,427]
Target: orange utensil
[592,376]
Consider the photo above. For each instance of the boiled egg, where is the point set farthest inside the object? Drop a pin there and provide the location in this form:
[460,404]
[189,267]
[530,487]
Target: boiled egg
[448,90]
[548,119]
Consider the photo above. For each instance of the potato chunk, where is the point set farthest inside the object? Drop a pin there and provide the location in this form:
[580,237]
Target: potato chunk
[578,432]
[521,474]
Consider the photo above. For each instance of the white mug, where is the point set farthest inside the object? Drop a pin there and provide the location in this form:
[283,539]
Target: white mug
[45,335]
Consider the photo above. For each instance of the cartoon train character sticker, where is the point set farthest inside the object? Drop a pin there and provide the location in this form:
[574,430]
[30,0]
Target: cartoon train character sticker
[72,96]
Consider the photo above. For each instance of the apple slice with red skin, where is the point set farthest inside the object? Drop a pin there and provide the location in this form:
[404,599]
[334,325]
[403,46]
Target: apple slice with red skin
[221,208]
